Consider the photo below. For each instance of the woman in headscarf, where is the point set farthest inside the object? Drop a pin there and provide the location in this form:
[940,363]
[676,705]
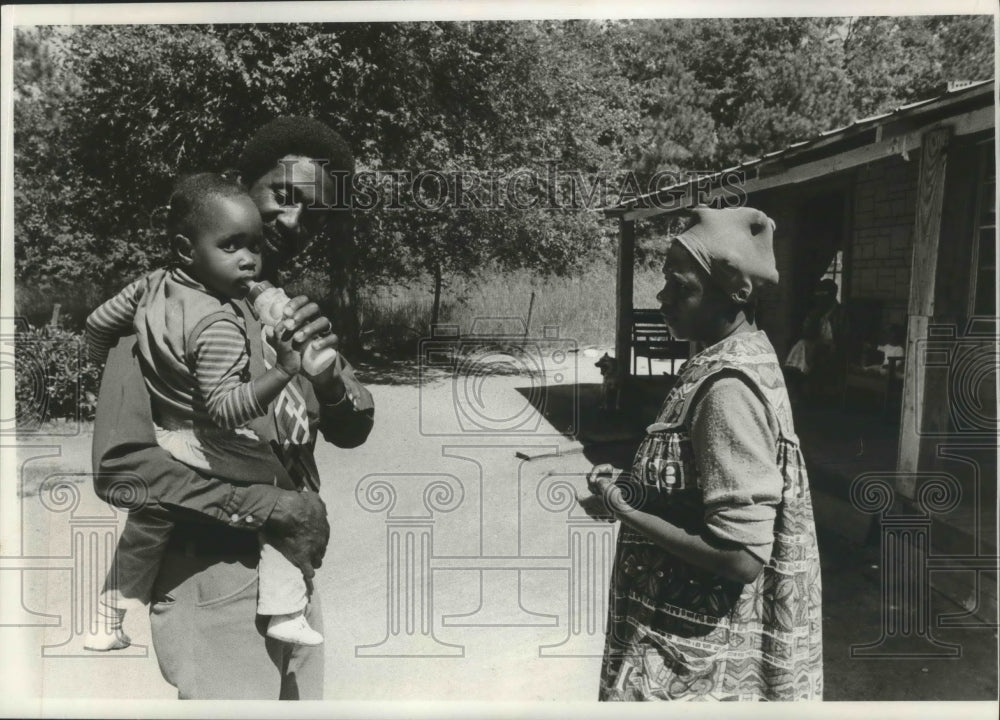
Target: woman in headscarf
[715,592]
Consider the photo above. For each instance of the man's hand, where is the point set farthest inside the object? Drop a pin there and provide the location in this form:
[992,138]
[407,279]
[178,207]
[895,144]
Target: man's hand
[298,528]
[336,382]
[304,324]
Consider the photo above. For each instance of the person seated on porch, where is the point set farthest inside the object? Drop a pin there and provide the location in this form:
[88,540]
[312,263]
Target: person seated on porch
[891,347]
[812,364]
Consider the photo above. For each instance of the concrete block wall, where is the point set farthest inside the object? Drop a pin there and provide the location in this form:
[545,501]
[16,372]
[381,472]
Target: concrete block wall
[885,200]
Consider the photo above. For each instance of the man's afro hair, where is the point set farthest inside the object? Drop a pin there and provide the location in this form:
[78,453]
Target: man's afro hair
[293,136]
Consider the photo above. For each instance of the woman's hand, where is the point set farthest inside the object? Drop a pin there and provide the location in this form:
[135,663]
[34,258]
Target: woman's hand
[600,482]
[601,477]
[595,507]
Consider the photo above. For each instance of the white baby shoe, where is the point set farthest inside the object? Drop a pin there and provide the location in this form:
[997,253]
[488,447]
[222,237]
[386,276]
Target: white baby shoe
[109,635]
[293,629]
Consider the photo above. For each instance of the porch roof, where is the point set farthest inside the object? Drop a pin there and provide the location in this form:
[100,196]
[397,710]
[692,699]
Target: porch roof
[967,109]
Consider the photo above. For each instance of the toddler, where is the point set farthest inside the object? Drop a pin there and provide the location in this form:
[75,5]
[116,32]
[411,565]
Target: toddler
[193,349]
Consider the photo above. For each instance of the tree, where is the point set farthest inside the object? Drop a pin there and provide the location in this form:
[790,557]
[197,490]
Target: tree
[156,101]
[106,117]
[892,61]
[773,81]
[671,126]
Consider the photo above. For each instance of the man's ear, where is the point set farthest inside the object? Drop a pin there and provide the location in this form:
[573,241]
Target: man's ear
[235,176]
[183,249]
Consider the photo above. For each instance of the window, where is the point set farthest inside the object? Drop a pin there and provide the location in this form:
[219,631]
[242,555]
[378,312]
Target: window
[982,295]
[835,272]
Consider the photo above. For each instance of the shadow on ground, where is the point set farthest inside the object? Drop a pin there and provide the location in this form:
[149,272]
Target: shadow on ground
[854,604]
[378,369]
[839,445]
[419,368]
[607,435]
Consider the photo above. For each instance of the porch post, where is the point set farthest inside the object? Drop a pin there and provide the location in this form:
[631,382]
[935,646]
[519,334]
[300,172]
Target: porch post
[623,293]
[925,402]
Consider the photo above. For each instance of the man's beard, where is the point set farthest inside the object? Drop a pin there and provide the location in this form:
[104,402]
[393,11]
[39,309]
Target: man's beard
[274,242]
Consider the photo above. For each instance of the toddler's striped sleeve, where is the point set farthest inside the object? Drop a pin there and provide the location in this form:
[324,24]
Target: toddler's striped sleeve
[220,366]
[112,320]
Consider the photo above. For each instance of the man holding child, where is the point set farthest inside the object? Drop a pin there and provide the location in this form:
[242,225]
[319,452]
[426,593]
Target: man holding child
[208,638]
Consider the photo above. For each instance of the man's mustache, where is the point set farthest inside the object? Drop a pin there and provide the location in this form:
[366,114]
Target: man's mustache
[282,246]
[275,242]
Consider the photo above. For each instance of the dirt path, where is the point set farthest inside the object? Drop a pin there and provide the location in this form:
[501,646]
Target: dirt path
[494,511]
[502,617]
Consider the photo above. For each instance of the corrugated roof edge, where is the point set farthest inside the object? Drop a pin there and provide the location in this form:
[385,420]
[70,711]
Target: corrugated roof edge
[952,96]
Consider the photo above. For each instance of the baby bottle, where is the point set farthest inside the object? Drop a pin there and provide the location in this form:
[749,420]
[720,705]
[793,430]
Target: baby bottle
[269,303]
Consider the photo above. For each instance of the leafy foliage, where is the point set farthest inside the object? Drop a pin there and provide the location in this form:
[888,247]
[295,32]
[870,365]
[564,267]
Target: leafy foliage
[106,117]
[891,61]
[54,378]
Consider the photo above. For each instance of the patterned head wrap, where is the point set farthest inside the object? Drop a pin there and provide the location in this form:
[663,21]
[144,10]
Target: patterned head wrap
[735,246]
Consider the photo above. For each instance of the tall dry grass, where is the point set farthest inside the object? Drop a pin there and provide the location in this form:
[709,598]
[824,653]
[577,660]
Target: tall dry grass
[581,306]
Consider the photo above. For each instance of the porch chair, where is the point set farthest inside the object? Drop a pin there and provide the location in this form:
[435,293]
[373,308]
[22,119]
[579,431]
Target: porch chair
[864,318]
[652,340]
[886,387]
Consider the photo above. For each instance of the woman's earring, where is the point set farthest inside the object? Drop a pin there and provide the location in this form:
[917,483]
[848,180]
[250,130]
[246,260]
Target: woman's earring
[741,296]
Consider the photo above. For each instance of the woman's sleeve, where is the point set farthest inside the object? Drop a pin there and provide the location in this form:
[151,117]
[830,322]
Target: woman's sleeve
[735,448]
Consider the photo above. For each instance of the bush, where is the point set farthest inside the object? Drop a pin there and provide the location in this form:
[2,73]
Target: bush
[53,376]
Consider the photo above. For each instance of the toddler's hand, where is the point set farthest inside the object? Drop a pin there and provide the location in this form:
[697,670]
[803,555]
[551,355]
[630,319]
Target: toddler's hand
[289,359]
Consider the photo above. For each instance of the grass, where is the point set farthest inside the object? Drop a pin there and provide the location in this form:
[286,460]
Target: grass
[393,320]
[582,306]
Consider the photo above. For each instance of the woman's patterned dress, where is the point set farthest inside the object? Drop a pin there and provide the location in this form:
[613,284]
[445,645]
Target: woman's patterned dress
[676,632]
